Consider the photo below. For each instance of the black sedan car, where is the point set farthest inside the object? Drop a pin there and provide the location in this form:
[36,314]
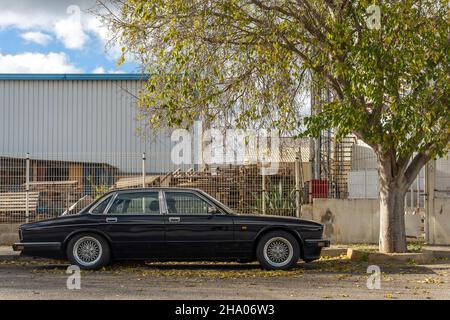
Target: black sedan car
[170,224]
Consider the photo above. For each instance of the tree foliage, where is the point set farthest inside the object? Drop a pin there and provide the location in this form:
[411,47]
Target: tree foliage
[251,59]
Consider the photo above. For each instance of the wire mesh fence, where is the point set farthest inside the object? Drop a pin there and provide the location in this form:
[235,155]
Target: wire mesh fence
[56,182]
[40,186]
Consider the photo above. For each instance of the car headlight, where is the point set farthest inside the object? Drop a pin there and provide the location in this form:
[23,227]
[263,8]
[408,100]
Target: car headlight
[20,234]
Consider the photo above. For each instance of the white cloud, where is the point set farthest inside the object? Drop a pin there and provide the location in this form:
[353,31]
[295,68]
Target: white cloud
[33,62]
[71,24]
[102,70]
[102,33]
[99,70]
[70,29]
[37,14]
[66,21]
[36,37]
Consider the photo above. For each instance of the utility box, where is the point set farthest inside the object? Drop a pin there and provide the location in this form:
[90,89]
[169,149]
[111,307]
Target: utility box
[318,188]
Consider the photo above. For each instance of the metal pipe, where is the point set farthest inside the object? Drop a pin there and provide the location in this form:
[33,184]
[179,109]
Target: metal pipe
[27,188]
[143,170]
[297,186]
[263,182]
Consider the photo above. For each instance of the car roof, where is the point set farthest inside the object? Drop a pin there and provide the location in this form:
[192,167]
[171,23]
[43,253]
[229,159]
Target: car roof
[155,189]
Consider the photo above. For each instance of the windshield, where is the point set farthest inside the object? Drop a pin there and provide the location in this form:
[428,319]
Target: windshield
[79,205]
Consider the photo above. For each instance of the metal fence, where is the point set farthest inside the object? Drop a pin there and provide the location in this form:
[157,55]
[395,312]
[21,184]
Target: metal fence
[36,186]
[40,186]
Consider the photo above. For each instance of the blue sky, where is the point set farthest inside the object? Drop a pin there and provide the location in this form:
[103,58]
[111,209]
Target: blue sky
[55,36]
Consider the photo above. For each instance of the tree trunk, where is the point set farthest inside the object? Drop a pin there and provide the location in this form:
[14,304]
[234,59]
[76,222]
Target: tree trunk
[392,219]
[393,186]
[395,179]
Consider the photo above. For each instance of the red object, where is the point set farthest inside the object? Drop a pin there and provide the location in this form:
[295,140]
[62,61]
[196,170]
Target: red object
[318,188]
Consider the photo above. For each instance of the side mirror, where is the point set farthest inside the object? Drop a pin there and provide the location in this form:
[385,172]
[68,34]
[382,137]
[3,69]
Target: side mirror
[213,210]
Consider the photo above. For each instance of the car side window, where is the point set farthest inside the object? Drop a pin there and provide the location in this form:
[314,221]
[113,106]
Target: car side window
[185,203]
[100,208]
[136,203]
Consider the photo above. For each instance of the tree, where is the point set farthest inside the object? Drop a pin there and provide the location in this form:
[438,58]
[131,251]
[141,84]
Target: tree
[386,62]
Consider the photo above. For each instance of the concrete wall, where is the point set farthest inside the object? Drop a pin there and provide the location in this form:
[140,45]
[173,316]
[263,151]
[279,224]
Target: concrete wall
[439,227]
[9,233]
[355,220]
[348,220]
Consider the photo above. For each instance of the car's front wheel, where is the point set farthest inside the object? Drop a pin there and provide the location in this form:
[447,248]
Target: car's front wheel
[277,250]
[88,251]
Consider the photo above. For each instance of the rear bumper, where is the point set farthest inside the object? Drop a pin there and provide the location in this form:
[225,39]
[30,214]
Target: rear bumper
[40,249]
[37,246]
[313,247]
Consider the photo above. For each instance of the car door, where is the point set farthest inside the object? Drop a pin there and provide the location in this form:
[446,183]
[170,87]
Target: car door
[193,231]
[135,225]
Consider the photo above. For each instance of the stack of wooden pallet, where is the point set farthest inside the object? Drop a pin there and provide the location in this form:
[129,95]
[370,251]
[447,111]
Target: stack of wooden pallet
[14,205]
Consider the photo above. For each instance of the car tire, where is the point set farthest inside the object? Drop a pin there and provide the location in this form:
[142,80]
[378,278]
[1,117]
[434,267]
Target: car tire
[278,250]
[88,251]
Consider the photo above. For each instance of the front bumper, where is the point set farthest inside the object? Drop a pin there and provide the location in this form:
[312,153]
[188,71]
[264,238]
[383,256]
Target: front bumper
[318,243]
[313,247]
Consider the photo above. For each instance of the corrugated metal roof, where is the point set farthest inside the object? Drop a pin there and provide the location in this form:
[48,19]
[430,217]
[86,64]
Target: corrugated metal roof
[74,76]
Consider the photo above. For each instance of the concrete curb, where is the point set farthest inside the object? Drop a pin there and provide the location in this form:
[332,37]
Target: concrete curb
[438,254]
[333,252]
[11,257]
[7,254]
[402,258]
[17,257]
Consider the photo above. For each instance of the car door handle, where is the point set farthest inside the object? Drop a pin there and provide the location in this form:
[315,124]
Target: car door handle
[174,219]
[111,219]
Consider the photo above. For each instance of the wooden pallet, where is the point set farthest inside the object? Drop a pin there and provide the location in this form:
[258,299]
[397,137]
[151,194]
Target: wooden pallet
[13,205]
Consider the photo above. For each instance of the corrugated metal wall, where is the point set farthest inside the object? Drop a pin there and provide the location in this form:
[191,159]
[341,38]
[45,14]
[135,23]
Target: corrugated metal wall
[363,158]
[443,177]
[78,120]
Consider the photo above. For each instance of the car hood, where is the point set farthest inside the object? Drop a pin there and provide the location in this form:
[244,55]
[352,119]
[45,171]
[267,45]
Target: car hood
[52,221]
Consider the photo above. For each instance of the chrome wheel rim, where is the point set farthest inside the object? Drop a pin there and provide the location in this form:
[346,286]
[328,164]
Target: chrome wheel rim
[278,252]
[87,251]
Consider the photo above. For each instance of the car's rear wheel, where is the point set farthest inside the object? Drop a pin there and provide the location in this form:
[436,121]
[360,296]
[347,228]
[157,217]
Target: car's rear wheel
[88,251]
[278,250]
